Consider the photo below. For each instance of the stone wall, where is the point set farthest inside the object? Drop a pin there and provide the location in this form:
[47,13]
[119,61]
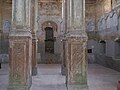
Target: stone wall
[92,45]
[6,13]
[102,7]
[115,3]
[108,44]
[50,12]
[90,12]
[57,34]
[108,25]
[94,10]
[5,26]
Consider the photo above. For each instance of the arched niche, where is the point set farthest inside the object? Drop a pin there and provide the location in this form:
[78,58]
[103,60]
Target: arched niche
[50,24]
[102,47]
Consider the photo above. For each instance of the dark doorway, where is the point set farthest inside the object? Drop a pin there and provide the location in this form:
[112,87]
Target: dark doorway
[49,40]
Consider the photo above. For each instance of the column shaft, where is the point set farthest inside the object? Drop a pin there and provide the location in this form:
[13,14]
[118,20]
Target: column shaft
[34,10]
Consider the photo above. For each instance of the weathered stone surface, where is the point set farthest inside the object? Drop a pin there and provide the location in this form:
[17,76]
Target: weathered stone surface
[76,44]
[20,63]
[108,26]
[102,7]
[76,61]
[20,47]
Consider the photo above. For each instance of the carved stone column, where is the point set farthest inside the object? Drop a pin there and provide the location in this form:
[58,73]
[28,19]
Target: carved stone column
[20,49]
[76,44]
[34,10]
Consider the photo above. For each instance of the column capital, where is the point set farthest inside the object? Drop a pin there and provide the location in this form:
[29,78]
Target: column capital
[20,34]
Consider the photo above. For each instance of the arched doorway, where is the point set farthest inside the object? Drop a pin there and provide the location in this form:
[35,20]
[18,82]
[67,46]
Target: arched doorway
[49,45]
[49,40]
[50,29]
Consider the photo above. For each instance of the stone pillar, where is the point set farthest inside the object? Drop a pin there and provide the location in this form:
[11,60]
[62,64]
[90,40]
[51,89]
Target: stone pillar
[20,48]
[76,44]
[34,54]
[34,10]
[63,67]
[64,13]
[66,19]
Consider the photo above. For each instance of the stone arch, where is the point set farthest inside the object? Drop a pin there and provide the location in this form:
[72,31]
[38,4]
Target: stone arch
[49,24]
[102,41]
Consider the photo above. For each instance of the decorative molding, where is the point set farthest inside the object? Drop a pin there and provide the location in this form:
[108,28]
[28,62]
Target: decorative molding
[50,8]
[49,24]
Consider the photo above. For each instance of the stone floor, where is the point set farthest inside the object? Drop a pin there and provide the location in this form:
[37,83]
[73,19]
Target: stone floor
[49,78]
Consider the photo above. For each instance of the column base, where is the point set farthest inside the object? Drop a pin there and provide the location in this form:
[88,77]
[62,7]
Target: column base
[63,70]
[20,44]
[77,87]
[17,86]
[34,71]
